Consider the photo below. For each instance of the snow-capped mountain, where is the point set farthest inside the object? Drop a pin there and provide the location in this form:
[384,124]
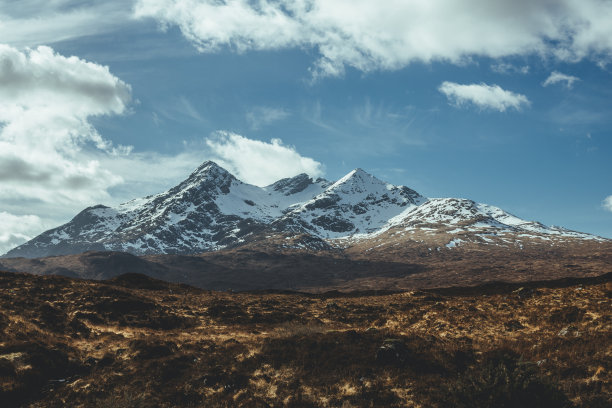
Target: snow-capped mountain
[449,223]
[212,209]
[357,203]
[455,215]
[209,210]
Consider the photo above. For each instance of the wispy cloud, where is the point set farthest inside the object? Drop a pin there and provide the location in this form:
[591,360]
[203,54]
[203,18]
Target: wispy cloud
[483,96]
[187,108]
[506,68]
[390,125]
[577,112]
[390,34]
[261,116]
[177,109]
[28,23]
[557,77]
[314,114]
[352,128]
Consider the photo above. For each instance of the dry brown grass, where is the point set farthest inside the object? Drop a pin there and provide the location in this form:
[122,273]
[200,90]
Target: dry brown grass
[137,342]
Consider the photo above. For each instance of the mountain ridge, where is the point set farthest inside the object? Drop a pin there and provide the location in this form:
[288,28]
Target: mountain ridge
[212,209]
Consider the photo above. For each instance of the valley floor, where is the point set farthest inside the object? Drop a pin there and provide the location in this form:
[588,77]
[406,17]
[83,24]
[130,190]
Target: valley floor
[137,342]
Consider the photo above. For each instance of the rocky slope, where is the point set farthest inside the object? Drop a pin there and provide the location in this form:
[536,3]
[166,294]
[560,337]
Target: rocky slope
[357,203]
[212,210]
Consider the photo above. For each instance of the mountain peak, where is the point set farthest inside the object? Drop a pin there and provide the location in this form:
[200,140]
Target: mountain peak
[208,171]
[209,167]
[357,178]
[359,172]
[209,176]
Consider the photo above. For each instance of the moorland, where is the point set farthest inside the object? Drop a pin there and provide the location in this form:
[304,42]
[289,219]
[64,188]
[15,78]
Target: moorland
[134,341]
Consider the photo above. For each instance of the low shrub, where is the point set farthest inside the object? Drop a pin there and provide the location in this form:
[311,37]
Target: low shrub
[503,380]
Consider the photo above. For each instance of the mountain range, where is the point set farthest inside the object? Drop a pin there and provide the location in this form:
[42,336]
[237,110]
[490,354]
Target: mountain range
[213,210]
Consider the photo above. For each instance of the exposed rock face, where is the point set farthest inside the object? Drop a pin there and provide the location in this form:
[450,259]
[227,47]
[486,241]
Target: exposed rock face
[211,210]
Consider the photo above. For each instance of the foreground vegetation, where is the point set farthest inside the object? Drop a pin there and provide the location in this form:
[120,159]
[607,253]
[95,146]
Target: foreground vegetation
[137,342]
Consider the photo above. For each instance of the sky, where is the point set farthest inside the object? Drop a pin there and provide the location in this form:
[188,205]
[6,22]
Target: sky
[506,103]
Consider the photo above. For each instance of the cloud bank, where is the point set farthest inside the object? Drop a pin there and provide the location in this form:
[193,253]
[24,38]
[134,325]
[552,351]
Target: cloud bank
[258,162]
[556,77]
[390,34]
[46,101]
[483,96]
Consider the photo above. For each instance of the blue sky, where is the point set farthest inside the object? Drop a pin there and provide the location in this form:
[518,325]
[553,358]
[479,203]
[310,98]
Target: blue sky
[507,104]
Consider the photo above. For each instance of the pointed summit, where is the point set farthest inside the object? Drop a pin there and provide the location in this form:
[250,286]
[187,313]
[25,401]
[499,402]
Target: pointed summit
[359,174]
[357,181]
[209,175]
[209,169]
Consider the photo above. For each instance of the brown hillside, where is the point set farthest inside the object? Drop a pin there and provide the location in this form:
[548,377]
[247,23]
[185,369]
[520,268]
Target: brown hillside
[390,264]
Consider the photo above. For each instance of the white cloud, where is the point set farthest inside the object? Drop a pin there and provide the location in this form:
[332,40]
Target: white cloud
[17,229]
[556,77]
[390,34]
[607,203]
[46,101]
[258,162]
[483,96]
[261,116]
